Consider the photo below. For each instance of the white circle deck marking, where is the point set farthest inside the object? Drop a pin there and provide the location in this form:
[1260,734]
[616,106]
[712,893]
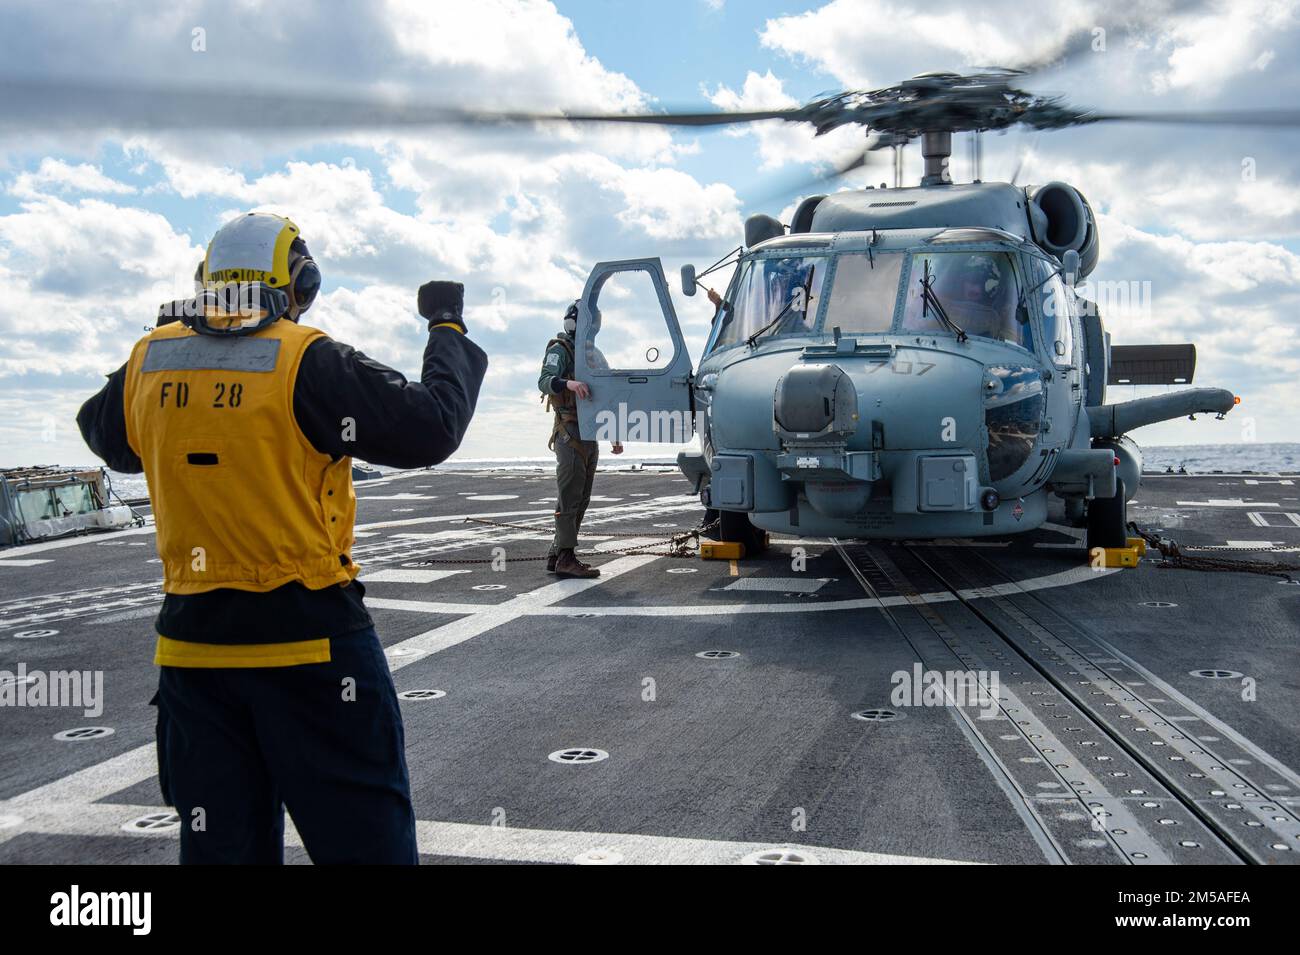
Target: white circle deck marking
[489,587]
[154,822]
[717,654]
[81,733]
[780,857]
[421,694]
[1215,674]
[599,857]
[576,755]
[33,634]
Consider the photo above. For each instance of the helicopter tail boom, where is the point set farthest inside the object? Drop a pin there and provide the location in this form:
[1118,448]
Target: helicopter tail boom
[1112,421]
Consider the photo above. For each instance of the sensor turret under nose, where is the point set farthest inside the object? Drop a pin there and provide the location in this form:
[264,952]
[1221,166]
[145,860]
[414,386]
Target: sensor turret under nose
[815,402]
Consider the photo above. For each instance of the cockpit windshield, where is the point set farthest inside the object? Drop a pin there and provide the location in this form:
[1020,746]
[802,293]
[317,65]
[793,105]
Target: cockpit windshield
[978,292]
[864,292]
[774,296]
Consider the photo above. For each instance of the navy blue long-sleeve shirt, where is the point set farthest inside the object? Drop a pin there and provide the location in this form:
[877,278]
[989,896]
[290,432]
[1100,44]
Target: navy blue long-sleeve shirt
[397,423]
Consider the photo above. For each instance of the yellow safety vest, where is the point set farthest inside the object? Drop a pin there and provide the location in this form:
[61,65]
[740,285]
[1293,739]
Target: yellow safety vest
[240,497]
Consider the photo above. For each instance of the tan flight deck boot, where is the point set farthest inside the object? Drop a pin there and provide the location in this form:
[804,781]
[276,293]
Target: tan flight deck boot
[568,565]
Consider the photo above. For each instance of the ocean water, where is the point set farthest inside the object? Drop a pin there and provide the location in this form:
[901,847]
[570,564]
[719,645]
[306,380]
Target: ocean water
[1206,458]
[1195,458]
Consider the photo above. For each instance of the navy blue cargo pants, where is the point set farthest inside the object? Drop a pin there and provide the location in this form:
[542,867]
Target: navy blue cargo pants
[238,746]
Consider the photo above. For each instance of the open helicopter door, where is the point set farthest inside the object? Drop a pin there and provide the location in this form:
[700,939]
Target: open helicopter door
[628,349]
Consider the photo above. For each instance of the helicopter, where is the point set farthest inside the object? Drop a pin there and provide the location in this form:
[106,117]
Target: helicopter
[902,363]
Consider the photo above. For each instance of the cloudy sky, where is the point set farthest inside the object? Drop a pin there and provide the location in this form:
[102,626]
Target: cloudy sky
[98,226]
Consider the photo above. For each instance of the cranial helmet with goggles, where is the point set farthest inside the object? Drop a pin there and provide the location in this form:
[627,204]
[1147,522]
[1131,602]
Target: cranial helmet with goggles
[257,271]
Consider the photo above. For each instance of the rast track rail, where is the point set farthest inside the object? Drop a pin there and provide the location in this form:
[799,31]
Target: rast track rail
[1103,765]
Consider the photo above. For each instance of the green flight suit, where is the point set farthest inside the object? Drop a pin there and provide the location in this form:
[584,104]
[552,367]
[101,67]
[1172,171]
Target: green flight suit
[575,459]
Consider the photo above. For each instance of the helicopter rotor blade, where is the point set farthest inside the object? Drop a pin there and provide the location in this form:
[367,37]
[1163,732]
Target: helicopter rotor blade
[53,104]
[1269,118]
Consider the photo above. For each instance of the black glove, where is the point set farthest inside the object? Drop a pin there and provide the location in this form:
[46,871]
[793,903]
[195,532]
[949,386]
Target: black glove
[442,303]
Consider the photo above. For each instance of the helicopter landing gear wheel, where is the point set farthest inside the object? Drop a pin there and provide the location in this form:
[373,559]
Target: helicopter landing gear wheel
[1074,507]
[735,527]
[1107,520]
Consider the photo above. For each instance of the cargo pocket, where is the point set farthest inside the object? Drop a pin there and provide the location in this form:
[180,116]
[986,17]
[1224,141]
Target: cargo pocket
[162,733]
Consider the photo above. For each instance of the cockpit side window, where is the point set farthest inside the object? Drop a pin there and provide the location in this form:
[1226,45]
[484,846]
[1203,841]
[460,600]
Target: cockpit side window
[773,296]
[978,291]
[1054,303]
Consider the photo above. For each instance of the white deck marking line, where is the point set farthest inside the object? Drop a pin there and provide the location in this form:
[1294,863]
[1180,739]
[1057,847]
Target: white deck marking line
[1205,474]
[1065,578]
[1227,502]
[139,614]
[22,550]
[423,606]
[25,563]
[401,496]
[1062,579]
[407,575]
[1195,708]
[470,841]
[662,505]
[802,585]
[89,784]
[621,543]
[494,615]
[467,841]
[77,791]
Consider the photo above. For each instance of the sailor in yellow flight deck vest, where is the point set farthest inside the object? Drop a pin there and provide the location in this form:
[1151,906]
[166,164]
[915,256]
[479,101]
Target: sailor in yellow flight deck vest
[274,691]
[575,458]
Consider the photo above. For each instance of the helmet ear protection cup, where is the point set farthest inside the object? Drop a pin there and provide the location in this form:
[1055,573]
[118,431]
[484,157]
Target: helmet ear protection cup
[304,279]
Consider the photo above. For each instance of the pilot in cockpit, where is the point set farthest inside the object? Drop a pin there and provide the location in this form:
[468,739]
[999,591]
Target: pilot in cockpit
[979,294]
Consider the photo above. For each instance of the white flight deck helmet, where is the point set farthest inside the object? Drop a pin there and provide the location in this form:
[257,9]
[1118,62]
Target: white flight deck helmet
[257,270]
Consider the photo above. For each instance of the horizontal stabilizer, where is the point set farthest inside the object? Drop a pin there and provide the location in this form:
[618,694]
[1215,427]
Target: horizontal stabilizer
[1151,364]
[1111,421]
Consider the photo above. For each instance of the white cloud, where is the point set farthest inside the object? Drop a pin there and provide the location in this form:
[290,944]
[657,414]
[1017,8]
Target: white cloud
[64,177]
[518,215]
[1216,44]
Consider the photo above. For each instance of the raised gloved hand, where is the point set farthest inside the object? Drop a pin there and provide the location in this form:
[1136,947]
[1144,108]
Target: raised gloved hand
[442,303]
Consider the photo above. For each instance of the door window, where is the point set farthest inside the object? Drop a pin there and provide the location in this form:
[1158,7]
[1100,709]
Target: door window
[629,350]
[627,330]
[1057,327]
